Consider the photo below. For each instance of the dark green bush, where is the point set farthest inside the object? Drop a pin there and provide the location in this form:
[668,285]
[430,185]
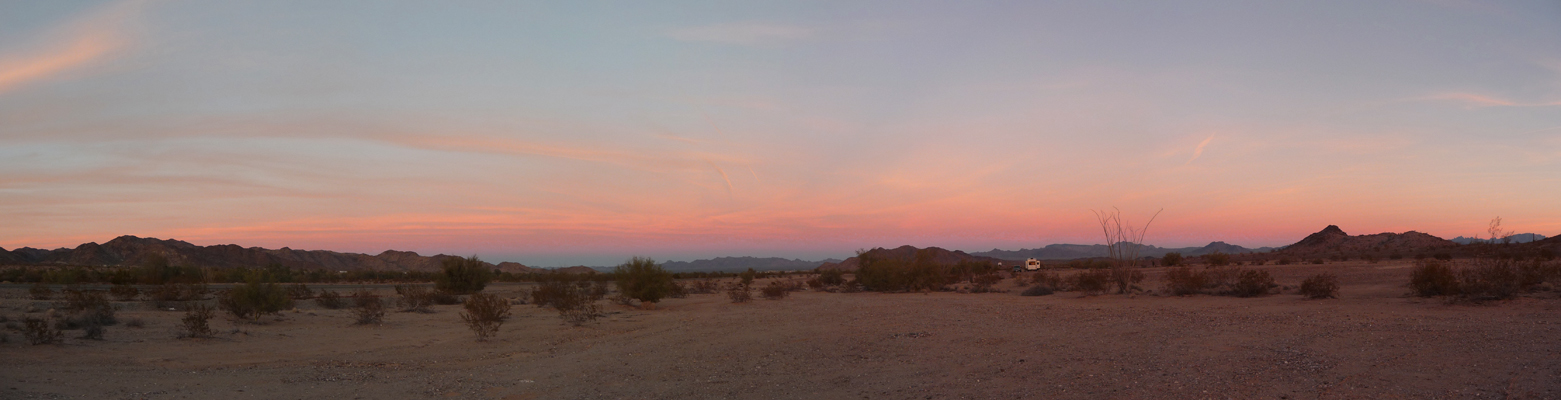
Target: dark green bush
[461,275]
[255,298]
[485,313]
[641,279]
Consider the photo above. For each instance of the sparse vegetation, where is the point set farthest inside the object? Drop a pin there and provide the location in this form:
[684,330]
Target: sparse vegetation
[1320,286]
[1037,290]
[1217,259]
[196,322]
[40,331]
[641,279]
[90,311]
[463,275]
[1253,283]
[1182,281]
[40,291]
[1091,281]
[775,291]
[299,291]
[330,300]
[574,298]
[259,296]
[485,313]
[1433,278]
[831,277]
[1171,259]
[368,307]
[1125,278]
[739,292]
[414,298]
[124,292]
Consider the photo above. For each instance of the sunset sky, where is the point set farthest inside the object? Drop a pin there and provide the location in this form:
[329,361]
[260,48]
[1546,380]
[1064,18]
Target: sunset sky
[576,132]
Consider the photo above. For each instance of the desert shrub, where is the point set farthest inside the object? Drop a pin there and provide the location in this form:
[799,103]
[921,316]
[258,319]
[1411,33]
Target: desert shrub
[329,299]
[1395,256]
[254,299]
[1433,278]
[921,273]
[89,309]
[1490,279]
[641,279]
[704,286]
[414,298]
[1252,283]
[1182,281]
[92,332]
[196,322]
[739,293]
[1125,278]
[485,313]
[299,291]
[831,277]
[165,295]
[1535,272]
[123,292]
[573,297]
[135,322]
[1317,261]
[746,277]
[1443,256]
[1320,286]
[463,275]
[1372,258]
[1284,261]
[445,298]
[983,282]
[1091,281]
[40,331]
[367,307]
[1259,261]
[1051,280]
[775,291]
[40,291]
[815,284]
[1217,259]
[1171,259]
[1037,290]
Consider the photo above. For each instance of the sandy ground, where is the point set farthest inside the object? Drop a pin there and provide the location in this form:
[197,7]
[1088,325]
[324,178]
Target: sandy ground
[1373,342]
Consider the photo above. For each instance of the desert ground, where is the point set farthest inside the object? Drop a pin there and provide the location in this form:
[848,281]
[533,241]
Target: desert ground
[1374,341]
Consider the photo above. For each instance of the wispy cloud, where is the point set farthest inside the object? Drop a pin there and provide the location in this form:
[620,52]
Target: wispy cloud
[1199,151]
[743,33]
[79,42]
[1479,100]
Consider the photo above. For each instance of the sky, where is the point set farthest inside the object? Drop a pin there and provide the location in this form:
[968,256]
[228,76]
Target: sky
[581,132]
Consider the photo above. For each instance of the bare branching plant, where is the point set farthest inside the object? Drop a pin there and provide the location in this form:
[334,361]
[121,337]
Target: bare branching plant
[485,313]
[1123,240]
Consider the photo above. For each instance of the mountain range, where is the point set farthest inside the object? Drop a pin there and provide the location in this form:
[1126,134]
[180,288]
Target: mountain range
[131,250]
[1518,238]
[730,264]
[1076,251]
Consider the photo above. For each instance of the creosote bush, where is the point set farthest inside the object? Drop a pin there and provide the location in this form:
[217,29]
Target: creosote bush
[832,277]
[90,311]
[1037,290]
[1217,259]
[739,292]
[196,322]
[1433,278]
[1320,286]
[414,298]
[485,313]
[1182,281]
[255,298]
[368,307]
[463,275]
[1091,281]
[40,331]
[1171,259]
[574,297]
[299,291]
[775,291]
[641,279]
[329,299]
[1253,283]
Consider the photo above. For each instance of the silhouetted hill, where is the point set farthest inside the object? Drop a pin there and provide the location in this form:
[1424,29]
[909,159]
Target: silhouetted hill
[130,250]
[906,253]
[1076,251]
[739,264]
[1332,240]
[1518,238]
